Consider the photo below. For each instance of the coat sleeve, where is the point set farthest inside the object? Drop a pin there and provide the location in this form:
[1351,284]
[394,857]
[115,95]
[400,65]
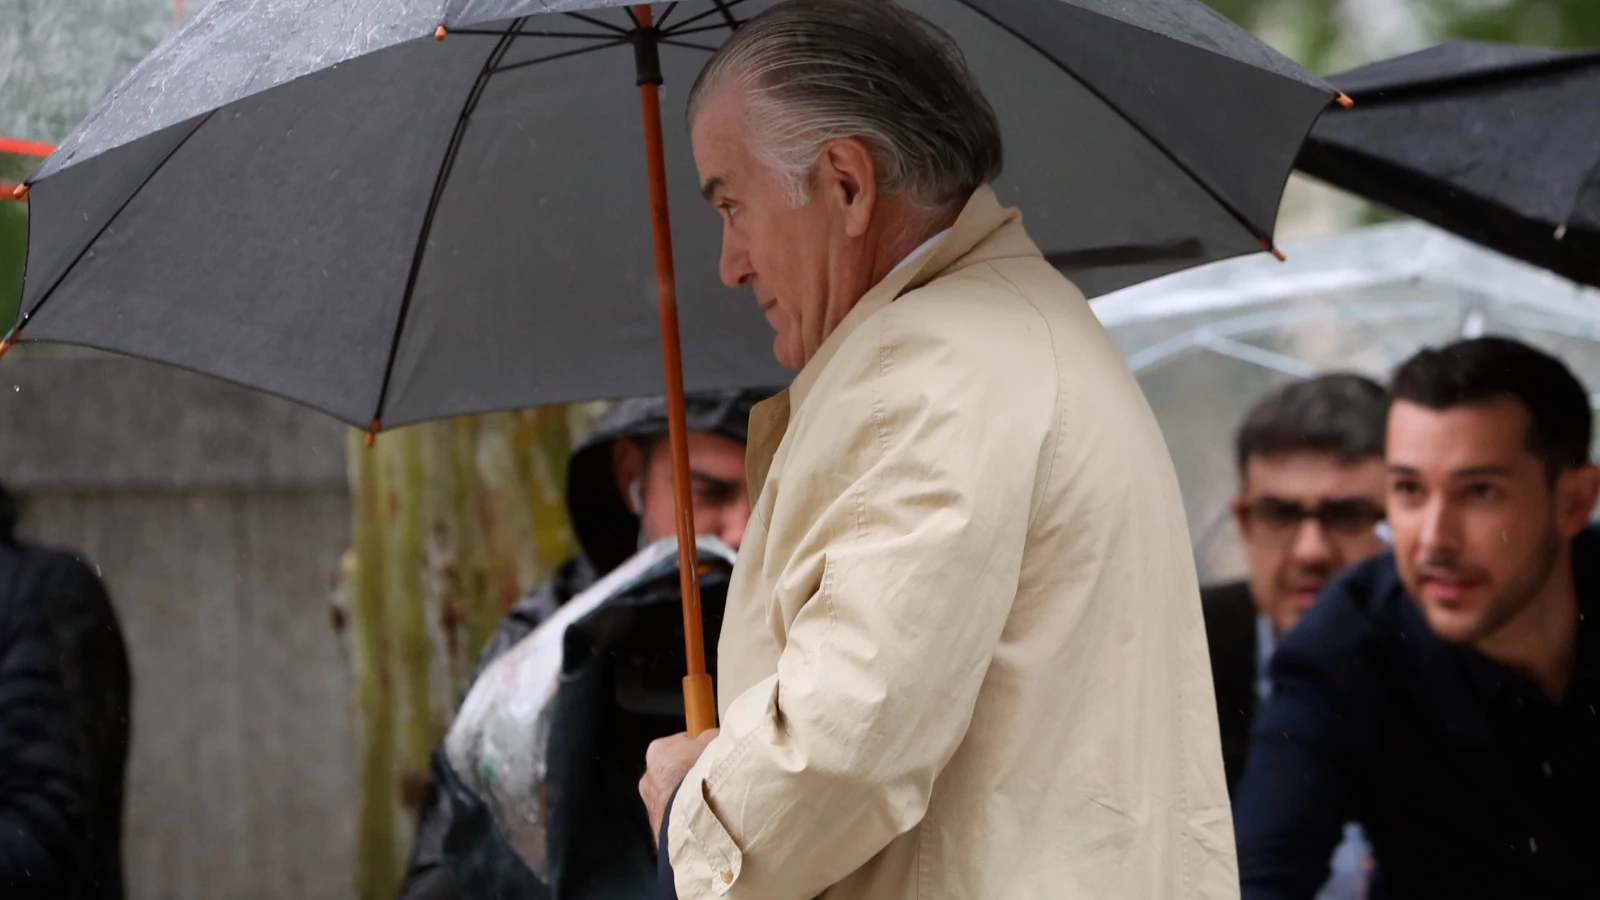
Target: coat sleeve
[41,776]
[917,475]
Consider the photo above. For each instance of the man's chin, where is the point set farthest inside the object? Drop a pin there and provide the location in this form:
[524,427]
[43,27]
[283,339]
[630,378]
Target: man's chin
[1452,624]
[783,357]
[786,353]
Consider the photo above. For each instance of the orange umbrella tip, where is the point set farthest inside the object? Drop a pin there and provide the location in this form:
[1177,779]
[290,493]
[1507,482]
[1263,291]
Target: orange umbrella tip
[372,432]
[1277,254]
[7,343]
[1344,100]
[20,192]
[439,33]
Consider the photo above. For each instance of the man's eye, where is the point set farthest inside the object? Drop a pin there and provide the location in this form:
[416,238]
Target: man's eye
[1486,492]
[1405,488]
[714,495]
[727,210]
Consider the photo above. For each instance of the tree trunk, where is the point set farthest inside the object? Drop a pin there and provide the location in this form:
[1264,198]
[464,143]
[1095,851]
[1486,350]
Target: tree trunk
[453,521]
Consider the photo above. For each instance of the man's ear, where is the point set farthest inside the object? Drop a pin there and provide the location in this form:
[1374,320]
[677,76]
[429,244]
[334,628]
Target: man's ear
[1576,493]
[627,461]
[847,177]
[1236,509]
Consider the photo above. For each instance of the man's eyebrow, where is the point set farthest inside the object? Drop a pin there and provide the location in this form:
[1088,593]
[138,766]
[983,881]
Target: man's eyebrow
[1478,471]
[711,480]
[1463,472]
[711,186]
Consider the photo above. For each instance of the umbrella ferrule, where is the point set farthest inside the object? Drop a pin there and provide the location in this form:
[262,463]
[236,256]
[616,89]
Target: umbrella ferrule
[647,54]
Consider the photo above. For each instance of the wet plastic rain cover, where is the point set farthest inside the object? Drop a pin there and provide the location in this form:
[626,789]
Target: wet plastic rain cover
[544,759]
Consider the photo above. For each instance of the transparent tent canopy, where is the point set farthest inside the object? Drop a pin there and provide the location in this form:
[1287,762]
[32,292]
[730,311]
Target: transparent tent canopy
[1206,344]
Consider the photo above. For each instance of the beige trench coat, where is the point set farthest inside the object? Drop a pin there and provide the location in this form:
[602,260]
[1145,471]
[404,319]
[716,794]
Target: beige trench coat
[963,655]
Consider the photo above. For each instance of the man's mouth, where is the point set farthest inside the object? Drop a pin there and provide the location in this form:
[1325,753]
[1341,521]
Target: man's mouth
[1447,589]
[1303,594]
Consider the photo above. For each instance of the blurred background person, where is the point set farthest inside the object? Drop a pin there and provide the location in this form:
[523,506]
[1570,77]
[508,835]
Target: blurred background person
[64,711]
[1310,460]
[1443,695]
[619,497]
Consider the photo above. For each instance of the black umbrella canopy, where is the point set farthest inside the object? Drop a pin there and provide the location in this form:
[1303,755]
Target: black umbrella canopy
[406,210]
[1497,143]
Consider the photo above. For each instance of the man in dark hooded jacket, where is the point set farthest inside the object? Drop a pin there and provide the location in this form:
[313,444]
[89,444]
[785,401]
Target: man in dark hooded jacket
[64,702]
[619,498]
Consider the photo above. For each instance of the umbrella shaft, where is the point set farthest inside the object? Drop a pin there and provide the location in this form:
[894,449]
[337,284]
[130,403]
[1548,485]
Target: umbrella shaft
[697,705]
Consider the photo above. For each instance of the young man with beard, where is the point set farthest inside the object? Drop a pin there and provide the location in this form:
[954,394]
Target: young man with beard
[1444,696]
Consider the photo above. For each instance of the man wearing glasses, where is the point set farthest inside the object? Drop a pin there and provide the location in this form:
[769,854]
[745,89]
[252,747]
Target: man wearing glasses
[1311,494]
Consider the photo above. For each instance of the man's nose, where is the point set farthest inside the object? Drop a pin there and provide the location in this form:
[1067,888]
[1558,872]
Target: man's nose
[1311,545]
[1440,533]
[734,266]
[726,522]
[734,522]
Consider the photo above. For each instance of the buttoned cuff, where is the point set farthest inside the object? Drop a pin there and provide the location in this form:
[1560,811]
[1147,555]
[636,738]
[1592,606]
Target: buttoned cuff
[703,859]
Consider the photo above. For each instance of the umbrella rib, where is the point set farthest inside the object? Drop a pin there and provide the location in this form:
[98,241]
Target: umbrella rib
[1592,177]
[672,43]
[445,167]
[49,292]
[600,23]
[679,32]
[543,34]
[730,4]
[555,56]
[661,22]
[727,15]
[1265,239]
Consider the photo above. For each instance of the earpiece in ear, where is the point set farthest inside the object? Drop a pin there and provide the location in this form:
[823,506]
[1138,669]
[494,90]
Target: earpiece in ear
[636,497]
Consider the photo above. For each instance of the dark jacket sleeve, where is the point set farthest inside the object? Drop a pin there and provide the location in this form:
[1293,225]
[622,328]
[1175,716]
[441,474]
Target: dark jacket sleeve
[666,885]
[41,790]
[427,877]
[1230,618]
[1296,793]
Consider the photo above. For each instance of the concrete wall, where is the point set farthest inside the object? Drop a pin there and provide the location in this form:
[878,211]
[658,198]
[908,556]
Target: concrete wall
[216,516]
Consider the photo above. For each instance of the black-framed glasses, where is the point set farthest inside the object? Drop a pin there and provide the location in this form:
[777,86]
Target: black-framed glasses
[1275,522]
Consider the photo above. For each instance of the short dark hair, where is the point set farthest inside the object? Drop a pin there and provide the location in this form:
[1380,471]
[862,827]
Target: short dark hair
[1560,423]
[1341,414]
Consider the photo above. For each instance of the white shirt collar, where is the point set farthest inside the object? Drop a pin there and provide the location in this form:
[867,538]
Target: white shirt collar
[1266,642]
[921,248]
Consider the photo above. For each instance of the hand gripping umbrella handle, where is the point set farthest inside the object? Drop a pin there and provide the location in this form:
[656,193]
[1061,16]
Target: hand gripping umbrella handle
[699,705]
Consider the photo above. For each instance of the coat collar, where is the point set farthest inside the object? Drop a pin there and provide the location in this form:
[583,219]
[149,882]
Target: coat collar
[984,231]
[967,243]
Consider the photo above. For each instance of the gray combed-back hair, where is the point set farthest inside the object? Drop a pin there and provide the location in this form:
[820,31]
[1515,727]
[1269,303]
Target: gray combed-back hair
[815,71]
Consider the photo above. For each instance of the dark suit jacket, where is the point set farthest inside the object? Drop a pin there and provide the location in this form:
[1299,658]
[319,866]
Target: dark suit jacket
[1231,634]
[1467,781]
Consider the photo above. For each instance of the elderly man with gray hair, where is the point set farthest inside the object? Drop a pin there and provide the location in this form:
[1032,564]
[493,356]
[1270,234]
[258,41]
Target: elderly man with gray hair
[963,653]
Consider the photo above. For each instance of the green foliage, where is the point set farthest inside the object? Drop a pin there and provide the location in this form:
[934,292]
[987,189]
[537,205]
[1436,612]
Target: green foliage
[1318,29]
[13,252]
[1554,23]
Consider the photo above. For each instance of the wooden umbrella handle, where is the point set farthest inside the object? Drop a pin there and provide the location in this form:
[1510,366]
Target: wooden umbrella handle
[699,703]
